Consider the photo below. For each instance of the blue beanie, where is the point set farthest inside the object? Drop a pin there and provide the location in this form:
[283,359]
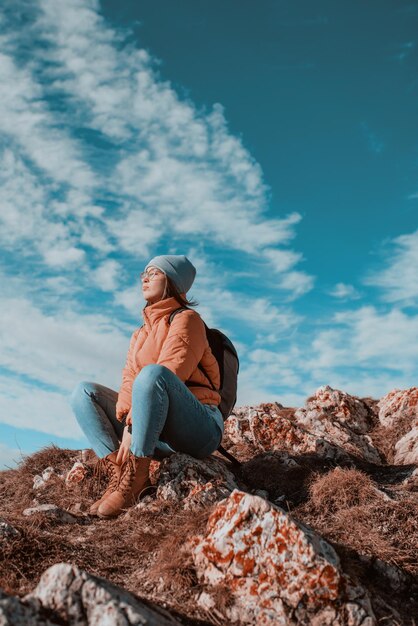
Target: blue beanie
[177,267]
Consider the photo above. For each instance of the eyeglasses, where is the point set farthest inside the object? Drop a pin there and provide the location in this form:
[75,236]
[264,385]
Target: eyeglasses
[150,275]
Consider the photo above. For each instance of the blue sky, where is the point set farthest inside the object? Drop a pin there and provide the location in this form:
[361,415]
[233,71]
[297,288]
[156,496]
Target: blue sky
[274,143]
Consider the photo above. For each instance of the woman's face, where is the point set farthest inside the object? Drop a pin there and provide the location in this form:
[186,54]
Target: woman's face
[153,284]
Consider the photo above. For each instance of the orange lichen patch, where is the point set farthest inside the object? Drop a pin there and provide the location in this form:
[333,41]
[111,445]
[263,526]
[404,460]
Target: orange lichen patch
[247,564]
[256,546]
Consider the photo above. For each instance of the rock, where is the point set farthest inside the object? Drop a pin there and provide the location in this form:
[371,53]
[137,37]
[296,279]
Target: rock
[406,449]
[399,404]
[76,474]
[7,531]
[52,511]
[341,419]
[274,431]
[347,410]
[80,598]
[272,427]
[14,612]
[411,481]
[272,565]
[194,482]
[237,426]
[40,481]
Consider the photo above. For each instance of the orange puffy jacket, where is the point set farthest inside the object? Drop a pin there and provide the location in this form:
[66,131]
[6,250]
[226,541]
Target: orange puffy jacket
[179,346]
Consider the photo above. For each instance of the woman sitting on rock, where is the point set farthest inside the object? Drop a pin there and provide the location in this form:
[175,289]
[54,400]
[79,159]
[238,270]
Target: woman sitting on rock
[155,412]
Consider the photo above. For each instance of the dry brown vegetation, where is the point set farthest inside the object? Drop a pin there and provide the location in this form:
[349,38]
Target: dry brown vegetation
[373,525]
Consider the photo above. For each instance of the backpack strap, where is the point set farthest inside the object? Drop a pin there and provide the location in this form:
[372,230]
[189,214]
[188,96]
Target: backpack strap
[230,457]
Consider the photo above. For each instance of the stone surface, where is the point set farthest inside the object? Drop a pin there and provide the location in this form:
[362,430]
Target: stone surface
[399,404]
[76,474]
[340,406]
[273,566]
[52,511]
[406,449]
[80,598]
[40,481]
[237,426]
[341,419]
[7,531]
[14,612]
[194,482]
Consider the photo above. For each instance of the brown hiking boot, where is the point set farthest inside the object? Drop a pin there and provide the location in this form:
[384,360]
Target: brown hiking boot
[134,477]
[107,466]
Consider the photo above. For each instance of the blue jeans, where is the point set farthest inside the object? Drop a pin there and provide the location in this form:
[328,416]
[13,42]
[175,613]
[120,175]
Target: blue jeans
[166,417]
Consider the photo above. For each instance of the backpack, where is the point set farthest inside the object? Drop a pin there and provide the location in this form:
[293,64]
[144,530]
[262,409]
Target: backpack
[226,355]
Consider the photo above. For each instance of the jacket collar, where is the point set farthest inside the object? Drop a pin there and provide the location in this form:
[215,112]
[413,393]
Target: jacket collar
[152,313]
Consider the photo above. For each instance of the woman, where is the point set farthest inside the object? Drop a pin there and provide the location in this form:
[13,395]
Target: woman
[155,413]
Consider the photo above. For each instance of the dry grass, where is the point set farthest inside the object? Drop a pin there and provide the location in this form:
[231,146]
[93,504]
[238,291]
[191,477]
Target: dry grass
[346,507]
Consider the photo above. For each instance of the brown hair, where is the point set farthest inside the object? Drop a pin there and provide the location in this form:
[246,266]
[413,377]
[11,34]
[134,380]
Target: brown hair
[171,291]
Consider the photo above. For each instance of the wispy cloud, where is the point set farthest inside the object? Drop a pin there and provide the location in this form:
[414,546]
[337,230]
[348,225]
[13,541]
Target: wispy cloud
[168,169]
[344,291]
[398,279]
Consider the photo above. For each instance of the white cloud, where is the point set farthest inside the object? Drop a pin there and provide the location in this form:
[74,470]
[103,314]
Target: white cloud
[399,279]
[106,275]
[367,338]
[344,291]
[26,120]
[27,406]
[62,348]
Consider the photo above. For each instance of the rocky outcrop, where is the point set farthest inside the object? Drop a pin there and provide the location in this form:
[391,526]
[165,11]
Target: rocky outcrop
[406,449]
[398,413]
[397,405]
[342,419]
[332,424]
[194,482]
[277,569]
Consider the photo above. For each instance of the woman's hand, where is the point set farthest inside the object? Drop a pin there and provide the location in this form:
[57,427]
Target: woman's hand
[124,447]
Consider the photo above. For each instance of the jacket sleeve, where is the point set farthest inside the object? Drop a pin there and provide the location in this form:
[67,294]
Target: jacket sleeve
[124,402]
[184,345]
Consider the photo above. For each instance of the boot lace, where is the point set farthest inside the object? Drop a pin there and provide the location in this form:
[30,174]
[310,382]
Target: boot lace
[105,468]
[126,476]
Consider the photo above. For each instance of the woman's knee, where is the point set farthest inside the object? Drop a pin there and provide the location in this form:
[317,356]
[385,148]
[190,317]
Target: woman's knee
[83,392]
[150,374]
